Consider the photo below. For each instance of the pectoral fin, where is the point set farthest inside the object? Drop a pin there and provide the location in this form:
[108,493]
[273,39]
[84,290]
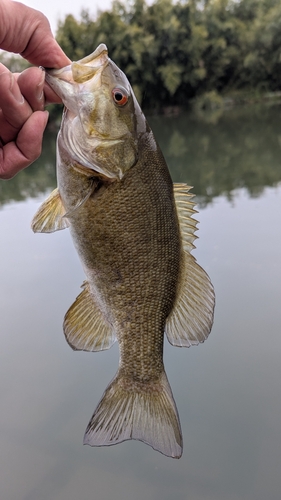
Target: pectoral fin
[50,216]
[85,327]
[192,317]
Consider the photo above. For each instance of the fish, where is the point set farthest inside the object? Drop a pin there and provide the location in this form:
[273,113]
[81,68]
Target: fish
[134,231]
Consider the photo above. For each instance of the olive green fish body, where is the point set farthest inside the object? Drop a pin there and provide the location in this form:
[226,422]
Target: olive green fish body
[130,248]
[134,231]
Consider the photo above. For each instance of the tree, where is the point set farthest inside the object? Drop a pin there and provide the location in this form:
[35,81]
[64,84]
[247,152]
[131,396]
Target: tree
[173,51]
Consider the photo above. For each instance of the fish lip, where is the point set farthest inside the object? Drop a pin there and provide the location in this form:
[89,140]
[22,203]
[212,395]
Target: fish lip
[94,60]
[53,81]
[55,72]
[98,52]
[64,78]
[52,76]
[49,77]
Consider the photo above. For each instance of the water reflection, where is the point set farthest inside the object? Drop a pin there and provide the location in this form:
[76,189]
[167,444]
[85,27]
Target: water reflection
[36,179]
[227,390]
[241,149]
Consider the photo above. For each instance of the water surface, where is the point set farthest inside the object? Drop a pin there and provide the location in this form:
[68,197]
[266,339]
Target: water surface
[227,390]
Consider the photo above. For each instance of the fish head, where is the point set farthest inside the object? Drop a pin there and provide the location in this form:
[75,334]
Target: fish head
[102,118]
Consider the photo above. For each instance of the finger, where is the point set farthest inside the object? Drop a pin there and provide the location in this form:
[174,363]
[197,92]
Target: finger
[35,90]
[31,84]
[15,109]
[34,39]
[17,155]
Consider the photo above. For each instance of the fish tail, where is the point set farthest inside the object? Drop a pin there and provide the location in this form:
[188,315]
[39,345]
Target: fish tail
[141,411]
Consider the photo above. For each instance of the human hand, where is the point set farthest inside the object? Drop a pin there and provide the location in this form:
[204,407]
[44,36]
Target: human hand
[22,97]
[22,119]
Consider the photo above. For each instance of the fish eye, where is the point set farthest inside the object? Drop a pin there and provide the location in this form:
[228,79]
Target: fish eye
[120,96]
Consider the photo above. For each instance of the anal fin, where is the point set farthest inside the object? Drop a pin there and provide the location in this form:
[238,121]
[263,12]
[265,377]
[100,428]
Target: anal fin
[85,327]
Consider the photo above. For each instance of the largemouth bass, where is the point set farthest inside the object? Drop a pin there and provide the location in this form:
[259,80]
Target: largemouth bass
[134,231]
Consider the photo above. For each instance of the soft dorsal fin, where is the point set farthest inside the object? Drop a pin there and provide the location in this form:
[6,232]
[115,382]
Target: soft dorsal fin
[85,327]
[185,210]
[50,215]
[191,320]
[192,317]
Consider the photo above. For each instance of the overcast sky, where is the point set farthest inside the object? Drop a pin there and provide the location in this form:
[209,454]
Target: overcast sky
[58,9]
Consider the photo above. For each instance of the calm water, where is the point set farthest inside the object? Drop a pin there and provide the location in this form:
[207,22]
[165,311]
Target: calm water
[227,390]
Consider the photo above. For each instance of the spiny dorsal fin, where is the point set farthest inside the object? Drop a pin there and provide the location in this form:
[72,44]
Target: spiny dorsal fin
[192,317]
[185,210]
[84,325]
[50,216]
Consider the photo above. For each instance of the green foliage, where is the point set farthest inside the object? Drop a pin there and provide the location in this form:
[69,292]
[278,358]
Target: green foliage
[173,51]
[14,62]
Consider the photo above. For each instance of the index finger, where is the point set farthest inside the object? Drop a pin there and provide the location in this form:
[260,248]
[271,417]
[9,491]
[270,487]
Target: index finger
[27,31]
[35,90]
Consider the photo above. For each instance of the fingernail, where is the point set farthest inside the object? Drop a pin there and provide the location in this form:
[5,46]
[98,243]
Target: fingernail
[15,91]
[46,115]
[39,89]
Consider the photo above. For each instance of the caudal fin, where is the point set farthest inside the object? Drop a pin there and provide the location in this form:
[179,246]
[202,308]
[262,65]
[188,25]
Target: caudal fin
[146,412]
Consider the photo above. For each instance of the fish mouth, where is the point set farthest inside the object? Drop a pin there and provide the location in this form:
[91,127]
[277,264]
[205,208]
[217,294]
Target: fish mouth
[62,80]
[89,63]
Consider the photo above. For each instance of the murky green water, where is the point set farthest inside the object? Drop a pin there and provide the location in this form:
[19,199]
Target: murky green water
[227,390]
